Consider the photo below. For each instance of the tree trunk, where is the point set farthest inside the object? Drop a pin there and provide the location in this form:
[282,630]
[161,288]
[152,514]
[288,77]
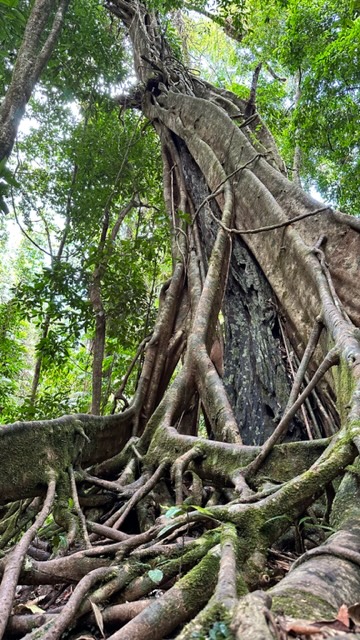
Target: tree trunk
[95,296]
[229,503]
[255,375]
[32,58]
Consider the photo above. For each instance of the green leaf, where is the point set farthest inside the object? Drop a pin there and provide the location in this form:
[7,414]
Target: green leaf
[203,510]
[167,529]
[155,575]
[9,3]
[175,511]
[282,517]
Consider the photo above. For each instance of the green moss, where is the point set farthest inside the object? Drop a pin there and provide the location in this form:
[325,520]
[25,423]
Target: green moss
[347,500]
[251,531]
[344,387]
[198,584]
[35,449]
[298,604]
[222,463]
[241,586]
[254,567]
[212,623]
[62,513]
[289,459]
[174,567]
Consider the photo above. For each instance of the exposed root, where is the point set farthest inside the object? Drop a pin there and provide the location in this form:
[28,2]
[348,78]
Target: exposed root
[250,619]
[178,469]
[79,512]
[141,493]
[177,605]
[332,550]
[54,629]
[16,557]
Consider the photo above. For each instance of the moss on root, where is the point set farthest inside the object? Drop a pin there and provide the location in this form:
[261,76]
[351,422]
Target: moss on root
[221,462]
[303,605]
[212,622]
[344,387]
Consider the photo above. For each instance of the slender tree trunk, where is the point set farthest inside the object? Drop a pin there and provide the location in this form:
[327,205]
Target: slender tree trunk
[47,320]
[98,347]
[38,364]
[95,296]
[297,150]
[38,44]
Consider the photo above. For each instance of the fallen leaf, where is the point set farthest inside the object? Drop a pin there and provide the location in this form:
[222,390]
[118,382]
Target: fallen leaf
[299,627]
[30,605]
[343,615]
[307,628]
[155,575]
[98,617]
[33,608]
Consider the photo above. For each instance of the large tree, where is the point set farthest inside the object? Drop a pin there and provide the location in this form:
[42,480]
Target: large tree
[201,435]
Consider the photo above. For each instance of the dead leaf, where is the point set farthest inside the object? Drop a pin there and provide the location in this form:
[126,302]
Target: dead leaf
[302,627]
[308,628]
[98,617]
[343,615]
[33,608]
[30,605]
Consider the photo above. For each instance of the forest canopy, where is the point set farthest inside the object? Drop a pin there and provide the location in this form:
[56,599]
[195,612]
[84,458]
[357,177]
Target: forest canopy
[180,319]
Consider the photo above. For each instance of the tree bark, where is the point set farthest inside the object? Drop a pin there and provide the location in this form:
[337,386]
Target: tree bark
[38,44]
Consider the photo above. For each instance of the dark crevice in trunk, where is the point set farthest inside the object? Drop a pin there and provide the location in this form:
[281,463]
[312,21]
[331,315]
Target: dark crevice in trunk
[256,378]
